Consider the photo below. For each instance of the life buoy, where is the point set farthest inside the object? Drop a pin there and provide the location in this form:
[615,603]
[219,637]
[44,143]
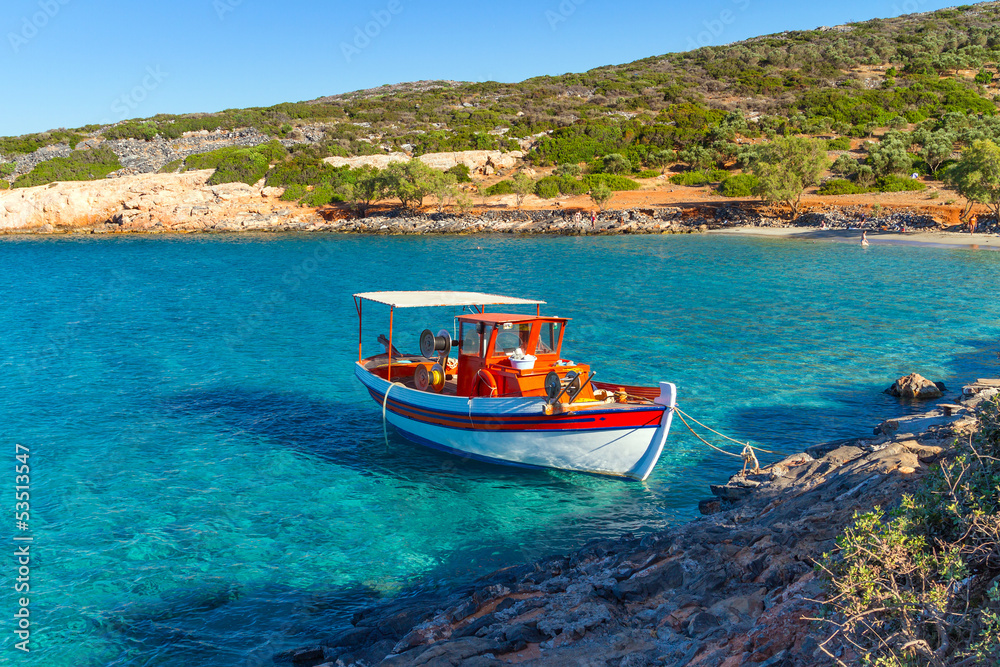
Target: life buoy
[485,377]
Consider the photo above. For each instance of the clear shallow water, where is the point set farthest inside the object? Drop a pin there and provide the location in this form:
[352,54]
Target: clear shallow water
[210,485]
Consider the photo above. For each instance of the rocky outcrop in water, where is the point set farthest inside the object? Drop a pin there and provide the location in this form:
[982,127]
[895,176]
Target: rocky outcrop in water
[914,385]
[735,588]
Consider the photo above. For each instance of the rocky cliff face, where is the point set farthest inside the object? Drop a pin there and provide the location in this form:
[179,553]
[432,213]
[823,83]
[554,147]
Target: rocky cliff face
[142,157]
[152,203]
[482,162]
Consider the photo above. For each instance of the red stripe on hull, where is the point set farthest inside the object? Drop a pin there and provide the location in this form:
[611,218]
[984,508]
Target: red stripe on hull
[586,421]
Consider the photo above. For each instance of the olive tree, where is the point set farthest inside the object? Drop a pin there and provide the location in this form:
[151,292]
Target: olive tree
[601,194]
[369,186]
[977,176]
[409,181]
[523,185]
[786,167]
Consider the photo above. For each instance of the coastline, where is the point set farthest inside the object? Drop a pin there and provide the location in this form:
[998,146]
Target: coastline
[737,587]
[156,204]
[938,239]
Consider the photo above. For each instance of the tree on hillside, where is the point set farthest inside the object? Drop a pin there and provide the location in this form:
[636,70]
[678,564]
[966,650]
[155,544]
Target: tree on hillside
[567,169]
[409,181]
[369,186]
[523,186]
[616,163]
[786,167]
[977,176]
[601,194]
[660,158]
[890,155]
[442,186]
[697,157]
[936,147]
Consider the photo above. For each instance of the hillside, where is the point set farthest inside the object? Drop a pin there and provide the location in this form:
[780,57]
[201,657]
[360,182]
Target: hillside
[933,75]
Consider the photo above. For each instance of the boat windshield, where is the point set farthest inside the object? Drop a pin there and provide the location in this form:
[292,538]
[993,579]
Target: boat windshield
[548,338]
[472,339]
[511,336]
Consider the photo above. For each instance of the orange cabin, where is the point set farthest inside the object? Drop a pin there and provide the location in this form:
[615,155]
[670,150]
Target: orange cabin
[486,343]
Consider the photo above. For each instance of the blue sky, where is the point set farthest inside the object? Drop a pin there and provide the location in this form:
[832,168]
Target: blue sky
[67,63]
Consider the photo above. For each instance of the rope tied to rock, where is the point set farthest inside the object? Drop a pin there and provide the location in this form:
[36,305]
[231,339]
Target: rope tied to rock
[748,455]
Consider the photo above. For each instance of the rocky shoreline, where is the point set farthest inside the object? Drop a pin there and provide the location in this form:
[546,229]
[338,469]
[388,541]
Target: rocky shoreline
[186,203]
[736,587]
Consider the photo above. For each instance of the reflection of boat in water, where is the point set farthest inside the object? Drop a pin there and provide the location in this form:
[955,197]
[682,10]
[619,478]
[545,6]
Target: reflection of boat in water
[507,396]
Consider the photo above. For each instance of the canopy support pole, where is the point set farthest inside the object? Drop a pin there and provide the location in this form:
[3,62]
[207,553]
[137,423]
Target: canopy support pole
[388,353]
[357,305]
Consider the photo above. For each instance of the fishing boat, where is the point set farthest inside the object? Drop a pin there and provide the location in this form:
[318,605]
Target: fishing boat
[502,392]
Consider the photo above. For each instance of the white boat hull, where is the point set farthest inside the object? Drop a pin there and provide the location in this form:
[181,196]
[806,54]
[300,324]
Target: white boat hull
[618,440]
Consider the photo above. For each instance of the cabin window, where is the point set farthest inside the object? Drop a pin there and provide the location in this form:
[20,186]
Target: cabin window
[511,336]
[548,338]
[471,336]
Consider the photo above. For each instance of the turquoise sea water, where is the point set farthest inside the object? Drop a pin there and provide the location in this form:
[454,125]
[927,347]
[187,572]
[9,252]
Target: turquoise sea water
[210,485]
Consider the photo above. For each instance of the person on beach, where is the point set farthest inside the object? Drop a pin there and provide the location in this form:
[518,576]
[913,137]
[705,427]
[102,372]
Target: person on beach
[973,223]
[864,238]
[593,220]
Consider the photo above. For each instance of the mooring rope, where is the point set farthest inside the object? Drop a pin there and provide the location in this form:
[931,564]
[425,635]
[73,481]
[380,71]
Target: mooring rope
[385,399]
[748,456]
[738,442]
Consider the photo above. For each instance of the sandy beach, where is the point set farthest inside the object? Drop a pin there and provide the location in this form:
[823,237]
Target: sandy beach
[937,238]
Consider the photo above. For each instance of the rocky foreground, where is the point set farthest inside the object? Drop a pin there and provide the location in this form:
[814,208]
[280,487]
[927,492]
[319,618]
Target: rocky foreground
[736,587]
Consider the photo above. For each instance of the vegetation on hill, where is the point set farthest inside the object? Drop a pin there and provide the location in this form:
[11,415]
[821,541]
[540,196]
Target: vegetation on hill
[930,79]
[79,166]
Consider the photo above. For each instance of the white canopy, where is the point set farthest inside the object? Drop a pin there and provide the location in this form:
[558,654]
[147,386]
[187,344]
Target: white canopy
[428,299]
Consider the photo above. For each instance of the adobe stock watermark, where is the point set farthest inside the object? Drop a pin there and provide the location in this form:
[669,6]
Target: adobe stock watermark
[30,26]
[363,36]
[714,28]
[131,100]
[562,13]
[908,7]
[223,7]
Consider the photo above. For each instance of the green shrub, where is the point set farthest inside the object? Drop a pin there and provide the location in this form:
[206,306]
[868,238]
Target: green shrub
[461,173]
[740,185]
[294,192]
[841,186]
[893,183]
[321,195]
[300,170]
[244,165]
[839,144]
[927,569]
[567,169]
[505,187]
[7,169]
[4,185]
[29,143]
[690,178]
[613,181]
[171,167]
[89,165]
[548,187]
[648,173]
[572,186]
[132,129]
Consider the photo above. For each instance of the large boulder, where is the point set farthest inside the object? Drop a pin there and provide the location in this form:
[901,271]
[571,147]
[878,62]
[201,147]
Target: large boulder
[914,385]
